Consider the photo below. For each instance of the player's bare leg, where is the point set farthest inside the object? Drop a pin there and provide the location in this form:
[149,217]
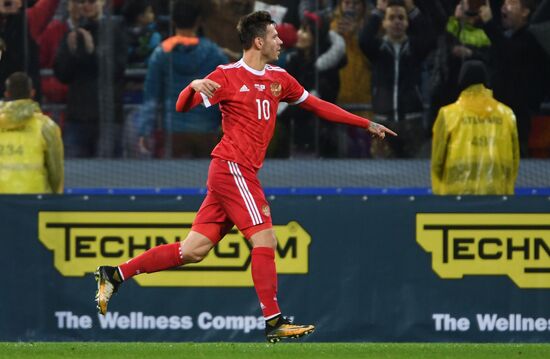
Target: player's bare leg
[264,276]
[192,250]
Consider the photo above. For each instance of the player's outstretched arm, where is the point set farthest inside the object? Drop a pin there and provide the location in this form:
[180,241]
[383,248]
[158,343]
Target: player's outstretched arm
[331,112]
[191,95]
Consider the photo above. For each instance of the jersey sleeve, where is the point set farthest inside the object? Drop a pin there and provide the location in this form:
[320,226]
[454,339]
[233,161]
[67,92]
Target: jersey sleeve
[293,92]
[217,76]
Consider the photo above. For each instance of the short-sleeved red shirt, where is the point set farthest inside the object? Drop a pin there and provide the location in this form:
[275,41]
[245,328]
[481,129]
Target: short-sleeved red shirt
[249,100]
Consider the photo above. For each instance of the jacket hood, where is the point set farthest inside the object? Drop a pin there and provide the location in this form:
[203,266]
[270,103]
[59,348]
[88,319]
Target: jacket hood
[189,56]
[17,113]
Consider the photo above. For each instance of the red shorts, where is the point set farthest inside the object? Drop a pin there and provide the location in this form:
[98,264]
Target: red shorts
[235,197]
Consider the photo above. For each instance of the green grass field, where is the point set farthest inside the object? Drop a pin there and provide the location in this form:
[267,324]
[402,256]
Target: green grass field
[281,350]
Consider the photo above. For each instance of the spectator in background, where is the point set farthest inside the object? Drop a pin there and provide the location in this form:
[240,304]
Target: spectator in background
[20,45]
[143,38]
[32,151]
[464,40]
[49,41]
[322,7]
[180,59]
[475,142]
[355,77]
[219,24]
[520,63]
[91,59]
[540,27]
[142,34]
[315,62]
[396,59]
[438,11]
[435,64]
[291,11]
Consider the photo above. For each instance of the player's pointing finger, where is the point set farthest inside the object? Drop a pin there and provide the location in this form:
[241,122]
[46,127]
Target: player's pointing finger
[387,130]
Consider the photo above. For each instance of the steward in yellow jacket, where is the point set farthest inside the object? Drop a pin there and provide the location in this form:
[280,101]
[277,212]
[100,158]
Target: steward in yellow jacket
[31,149]
[475,146]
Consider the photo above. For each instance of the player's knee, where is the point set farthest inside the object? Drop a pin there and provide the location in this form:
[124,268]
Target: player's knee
[273,242]
[265,239]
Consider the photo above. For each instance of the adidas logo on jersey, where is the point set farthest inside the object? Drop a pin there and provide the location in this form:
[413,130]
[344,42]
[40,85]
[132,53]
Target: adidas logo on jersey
[244,89]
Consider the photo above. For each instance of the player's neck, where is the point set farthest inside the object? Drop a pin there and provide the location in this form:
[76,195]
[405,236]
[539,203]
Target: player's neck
[254,60]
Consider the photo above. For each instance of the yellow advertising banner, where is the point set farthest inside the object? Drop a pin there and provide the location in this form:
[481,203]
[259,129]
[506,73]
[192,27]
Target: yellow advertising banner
[81,241]
[512,244]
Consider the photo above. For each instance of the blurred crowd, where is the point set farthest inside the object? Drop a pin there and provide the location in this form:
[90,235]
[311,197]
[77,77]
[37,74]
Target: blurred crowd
[109,71]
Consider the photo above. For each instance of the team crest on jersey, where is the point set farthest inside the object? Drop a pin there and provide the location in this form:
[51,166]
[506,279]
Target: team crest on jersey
[276,89]
[265,210]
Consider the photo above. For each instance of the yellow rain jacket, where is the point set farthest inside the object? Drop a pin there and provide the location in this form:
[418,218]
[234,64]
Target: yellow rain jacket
[31,150]
[475,146]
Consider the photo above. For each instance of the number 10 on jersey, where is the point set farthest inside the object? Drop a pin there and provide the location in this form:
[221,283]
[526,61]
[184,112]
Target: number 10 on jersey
[263,109]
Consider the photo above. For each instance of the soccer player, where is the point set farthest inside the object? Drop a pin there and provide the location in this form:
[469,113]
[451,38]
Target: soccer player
[248,92]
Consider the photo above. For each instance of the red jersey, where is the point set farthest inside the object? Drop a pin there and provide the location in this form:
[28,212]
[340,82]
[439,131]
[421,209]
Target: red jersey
[248,101]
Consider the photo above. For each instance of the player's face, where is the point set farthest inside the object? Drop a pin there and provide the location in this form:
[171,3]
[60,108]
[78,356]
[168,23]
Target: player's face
[271,48]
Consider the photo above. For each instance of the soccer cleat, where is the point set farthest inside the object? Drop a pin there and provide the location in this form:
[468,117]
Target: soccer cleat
[285,329]
[107,285]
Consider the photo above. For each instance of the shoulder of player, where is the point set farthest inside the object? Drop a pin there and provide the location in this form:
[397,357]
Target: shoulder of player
[238,65]
[275,68]
[278,73]
[229,67]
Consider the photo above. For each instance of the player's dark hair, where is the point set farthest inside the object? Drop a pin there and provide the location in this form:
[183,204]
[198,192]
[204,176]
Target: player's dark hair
[400,3]
[133,8]
[185,13]
[252,26]
[19,86]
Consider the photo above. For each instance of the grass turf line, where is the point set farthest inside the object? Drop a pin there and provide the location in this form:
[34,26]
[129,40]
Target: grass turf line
[282,350]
